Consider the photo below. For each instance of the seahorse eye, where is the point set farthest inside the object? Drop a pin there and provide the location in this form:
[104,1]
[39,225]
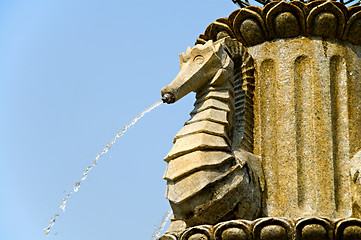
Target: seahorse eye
[198,59]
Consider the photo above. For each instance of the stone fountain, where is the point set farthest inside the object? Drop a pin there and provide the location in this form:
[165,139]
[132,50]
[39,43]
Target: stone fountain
[273,146]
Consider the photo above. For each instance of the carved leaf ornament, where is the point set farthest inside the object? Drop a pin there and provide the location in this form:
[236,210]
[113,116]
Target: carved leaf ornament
[279,20]
[275,228]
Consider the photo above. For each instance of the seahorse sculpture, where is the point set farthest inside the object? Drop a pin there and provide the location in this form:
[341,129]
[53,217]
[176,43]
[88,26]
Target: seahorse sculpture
[297,65]
[211,174]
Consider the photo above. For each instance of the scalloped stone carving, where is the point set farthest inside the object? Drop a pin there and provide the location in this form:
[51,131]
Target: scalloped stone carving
[276,228]
[254,25]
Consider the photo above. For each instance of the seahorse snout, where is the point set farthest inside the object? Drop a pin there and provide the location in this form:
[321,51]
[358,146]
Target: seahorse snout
[168,98]
[167,95]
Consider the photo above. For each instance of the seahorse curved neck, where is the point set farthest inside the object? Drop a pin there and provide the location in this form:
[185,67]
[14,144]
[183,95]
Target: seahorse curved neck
[210,126]
[233,100]
[202,149]
[214,108]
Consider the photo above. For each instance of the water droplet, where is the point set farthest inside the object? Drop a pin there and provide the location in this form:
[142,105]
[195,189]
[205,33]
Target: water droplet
[76,186]
[63,203]
[51,223]
[83,177]
[47,231]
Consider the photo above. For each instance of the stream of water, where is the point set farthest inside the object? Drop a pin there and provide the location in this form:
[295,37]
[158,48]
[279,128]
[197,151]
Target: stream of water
[95,162]
[161,225]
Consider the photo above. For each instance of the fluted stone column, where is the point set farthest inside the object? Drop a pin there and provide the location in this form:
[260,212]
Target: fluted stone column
[307,124]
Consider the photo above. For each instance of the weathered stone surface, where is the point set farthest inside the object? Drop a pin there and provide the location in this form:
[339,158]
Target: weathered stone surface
[356,184]
[233,230]
[178,191]
[194,142]
[225,95]
[280,19]
[206,182]
[236,190]
[314,228]
[314,231]
[349,229]
[278,228]
[305,124]
[197,233]
[203,127]
[189,163]
[351,233]
[276,122]
[198,236]
[214,115]
[168,237]
[273,232]
[198,65]
[254,163]
[211,103]
[234,234]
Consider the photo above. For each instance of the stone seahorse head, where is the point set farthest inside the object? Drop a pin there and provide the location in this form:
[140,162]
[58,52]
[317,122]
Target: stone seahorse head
[198,65]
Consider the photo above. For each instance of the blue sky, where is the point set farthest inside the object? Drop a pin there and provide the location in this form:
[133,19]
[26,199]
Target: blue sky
[72,74]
